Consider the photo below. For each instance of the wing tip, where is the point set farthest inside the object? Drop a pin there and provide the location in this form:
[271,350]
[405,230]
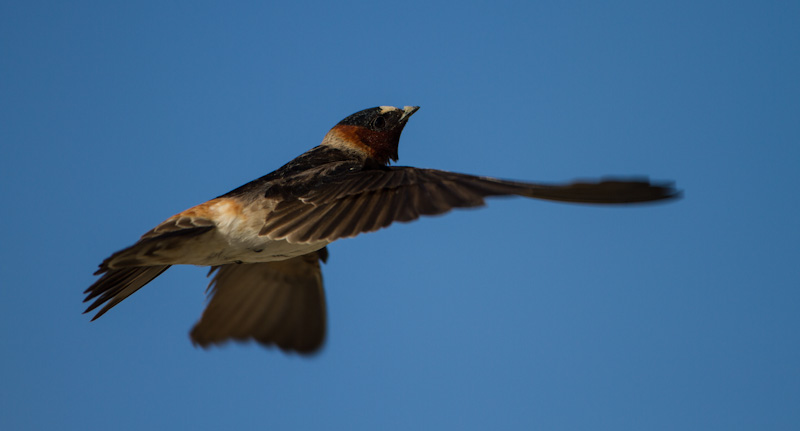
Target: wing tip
[306,350]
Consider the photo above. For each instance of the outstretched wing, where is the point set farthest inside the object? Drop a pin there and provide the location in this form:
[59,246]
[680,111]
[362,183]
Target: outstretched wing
[274,303]
[365,201]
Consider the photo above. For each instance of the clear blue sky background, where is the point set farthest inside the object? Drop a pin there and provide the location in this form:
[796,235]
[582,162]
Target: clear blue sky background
[522,315]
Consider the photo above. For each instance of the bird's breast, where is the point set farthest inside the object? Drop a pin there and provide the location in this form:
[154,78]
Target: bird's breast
[238,228]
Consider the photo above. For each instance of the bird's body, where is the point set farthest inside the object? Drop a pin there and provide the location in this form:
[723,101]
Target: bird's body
[185,238]
[266,238]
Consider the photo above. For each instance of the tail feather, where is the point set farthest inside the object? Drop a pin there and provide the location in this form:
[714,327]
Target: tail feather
[118,284]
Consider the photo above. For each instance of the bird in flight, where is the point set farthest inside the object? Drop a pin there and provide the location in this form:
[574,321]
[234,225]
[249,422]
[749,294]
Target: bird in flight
[264,241]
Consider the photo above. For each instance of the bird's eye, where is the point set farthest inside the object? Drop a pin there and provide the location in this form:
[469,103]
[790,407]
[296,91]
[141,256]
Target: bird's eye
[379,122]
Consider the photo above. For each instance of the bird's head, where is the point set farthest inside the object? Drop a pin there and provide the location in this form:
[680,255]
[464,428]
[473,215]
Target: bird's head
[373,132]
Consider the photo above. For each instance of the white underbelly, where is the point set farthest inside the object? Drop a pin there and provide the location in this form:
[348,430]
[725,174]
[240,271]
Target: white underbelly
[236,239]
[219,250]
[269,250]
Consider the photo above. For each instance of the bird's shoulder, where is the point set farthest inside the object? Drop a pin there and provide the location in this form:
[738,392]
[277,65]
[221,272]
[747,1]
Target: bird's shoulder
[317,166]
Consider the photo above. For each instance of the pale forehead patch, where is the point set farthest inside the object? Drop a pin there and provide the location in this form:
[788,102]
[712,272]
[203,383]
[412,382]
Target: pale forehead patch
[385,109]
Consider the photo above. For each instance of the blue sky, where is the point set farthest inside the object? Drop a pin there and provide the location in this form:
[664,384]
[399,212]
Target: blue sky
[521,315]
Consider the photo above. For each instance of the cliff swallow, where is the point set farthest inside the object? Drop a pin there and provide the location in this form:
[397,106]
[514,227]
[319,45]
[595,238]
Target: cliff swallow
[264,240]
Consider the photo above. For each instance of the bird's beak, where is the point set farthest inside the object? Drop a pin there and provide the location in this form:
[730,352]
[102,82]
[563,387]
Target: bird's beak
[407,112]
